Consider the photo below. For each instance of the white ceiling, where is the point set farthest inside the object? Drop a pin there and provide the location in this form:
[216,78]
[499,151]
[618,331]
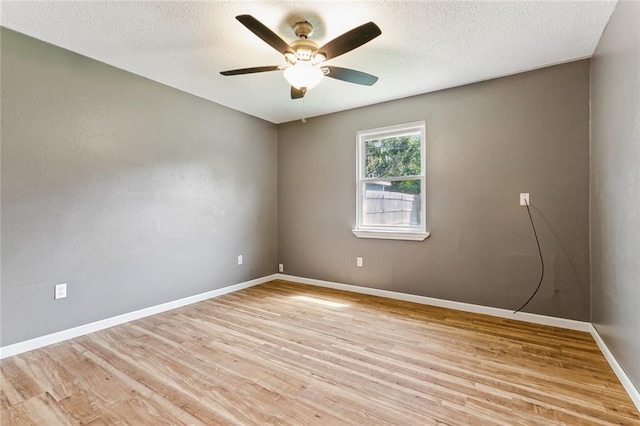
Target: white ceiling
[424,46]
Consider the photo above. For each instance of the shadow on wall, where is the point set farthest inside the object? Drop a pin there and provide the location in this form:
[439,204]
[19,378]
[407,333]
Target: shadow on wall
[561,281]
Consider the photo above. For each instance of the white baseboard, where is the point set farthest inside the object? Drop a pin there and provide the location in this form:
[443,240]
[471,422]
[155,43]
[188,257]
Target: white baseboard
[633,392]
[460,306]
[49,339]
[39,342]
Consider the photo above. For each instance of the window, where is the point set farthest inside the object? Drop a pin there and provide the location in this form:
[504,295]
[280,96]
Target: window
[390,201]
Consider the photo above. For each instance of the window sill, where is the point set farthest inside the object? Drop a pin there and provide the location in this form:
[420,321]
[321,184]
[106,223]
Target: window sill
[390,235]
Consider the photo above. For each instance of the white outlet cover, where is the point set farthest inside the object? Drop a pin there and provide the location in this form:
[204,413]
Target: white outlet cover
[239,259]
[60,291]
[524,198]
[280,267]
[359,261]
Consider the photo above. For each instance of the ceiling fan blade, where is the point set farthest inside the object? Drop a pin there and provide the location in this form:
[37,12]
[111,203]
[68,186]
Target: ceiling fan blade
[297,93]
[251,70]
[351,76]
[268,36]
[350,40]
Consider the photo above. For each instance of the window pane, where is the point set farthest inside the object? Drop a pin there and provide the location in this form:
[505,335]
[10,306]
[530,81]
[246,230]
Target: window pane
[388,157]
[392,203]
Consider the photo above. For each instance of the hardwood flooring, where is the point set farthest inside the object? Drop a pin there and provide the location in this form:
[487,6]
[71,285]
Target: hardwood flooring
[285,353]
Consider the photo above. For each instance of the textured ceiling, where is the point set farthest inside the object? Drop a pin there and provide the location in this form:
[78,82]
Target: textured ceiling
[424,46]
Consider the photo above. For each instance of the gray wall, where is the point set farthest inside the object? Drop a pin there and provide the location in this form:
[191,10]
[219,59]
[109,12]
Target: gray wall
[131,192]
[486,143]
[615,187]
[136,194]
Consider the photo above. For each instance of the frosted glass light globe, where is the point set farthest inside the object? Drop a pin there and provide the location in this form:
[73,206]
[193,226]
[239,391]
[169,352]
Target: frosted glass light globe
[303,75]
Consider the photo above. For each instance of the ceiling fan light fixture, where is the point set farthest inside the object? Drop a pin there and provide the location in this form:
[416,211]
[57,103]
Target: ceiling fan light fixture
[303,75]
[304,69]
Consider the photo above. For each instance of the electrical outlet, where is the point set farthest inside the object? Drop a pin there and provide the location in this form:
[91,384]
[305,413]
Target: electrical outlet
[524,199]
[239,259]
[60,291]
[280,267]
[359,261]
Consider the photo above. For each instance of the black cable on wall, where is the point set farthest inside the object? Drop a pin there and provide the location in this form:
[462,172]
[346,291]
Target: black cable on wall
[541,262]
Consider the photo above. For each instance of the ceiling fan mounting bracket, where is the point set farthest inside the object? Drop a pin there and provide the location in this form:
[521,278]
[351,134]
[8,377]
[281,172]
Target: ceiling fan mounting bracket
[303,29]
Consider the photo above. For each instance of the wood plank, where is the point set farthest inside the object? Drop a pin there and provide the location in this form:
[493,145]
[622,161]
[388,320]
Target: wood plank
[286,353]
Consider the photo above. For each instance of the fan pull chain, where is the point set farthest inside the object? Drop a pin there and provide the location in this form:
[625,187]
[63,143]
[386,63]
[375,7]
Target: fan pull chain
[304,120]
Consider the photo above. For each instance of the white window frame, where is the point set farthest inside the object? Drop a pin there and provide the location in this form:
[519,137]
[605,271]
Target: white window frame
[413,233]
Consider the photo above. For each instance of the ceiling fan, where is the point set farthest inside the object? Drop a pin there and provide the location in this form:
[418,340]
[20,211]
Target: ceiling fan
[305,59]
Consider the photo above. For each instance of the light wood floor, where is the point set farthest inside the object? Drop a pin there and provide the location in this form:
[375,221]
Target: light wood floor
[284,353]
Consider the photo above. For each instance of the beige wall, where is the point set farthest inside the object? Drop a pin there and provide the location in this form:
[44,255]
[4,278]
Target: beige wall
[486,143]
[615,187]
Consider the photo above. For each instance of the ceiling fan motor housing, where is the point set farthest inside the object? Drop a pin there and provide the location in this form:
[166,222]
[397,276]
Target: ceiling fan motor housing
[304,48]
